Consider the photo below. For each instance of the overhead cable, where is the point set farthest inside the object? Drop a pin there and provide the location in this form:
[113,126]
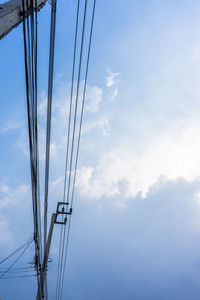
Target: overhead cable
[14,277]
[68,141]
[65,240]
[30,58]
[49,108]
[79,137]
[72,142]
[16,260]
[17,250]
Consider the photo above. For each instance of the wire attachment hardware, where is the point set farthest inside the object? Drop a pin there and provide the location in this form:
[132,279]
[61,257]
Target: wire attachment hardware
[62,209]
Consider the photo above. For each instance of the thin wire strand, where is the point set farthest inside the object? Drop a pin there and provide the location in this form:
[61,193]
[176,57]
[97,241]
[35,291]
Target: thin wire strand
[79,137]
[30,56]
[83,99]
[68,140]
[48,128]
[49,108]
[19,268]
[17,250]
[18,271]
[16,260]
[25,276]
[73,137]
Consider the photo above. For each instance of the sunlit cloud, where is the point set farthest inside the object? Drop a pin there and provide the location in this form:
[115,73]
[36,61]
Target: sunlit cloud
[111,78]
[172,155]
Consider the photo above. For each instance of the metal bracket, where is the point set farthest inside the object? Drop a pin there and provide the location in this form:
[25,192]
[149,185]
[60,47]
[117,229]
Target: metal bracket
[62,209]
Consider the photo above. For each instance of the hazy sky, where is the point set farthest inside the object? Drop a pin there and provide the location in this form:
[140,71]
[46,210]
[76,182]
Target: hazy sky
[136,224]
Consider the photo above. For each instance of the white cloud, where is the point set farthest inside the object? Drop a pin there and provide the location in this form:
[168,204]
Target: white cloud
[10,197]
[111,78]
[101,123]
[10,126]
[114,94]
[60,114]
[173,155]
[156,237]
[57,183]
[22,142]
[42,109]
[5,234]
[93,98]
[105,128]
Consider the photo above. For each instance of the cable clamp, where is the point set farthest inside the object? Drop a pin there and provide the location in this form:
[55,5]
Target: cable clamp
[62,209]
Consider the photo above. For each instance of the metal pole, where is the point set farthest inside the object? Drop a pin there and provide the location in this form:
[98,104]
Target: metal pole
[11,14]
[46,256]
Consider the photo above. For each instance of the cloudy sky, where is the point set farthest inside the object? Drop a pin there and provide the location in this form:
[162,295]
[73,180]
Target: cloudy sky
[136,223]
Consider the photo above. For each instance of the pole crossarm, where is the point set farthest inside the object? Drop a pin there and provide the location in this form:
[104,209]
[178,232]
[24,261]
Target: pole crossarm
[11,14]
[61,211]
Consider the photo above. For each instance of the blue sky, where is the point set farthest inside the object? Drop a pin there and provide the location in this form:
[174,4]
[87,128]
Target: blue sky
[136,222]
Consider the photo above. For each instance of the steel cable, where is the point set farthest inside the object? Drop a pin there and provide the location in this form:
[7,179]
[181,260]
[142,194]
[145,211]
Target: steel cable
[73,137]
[49,108]
[30,57]
[79,137]
[14,252]
[16,260]
[68,140]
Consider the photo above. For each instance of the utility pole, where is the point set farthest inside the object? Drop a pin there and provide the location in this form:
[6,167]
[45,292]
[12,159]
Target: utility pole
[62,211]
[11,14]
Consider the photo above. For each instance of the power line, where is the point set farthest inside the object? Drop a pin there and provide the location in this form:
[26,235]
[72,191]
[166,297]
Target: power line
[77,98]
[18,271]
[17,250]
[25,276]
[83,99]
[19,268]
[16,260]
[30,58]
[30,54]
[68,139]
[65,244]
[48,126]
[49,108]
[72,143]
[79,137]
